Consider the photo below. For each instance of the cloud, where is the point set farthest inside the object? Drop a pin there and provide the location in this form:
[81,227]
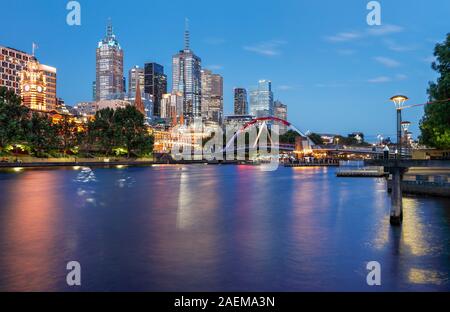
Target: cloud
[429,59]
[384,30]
[375,31]
[383,79]
[388,62]
[214,67]
[344,36]
[285,87]
[397,47]
[267,48]
[380,79]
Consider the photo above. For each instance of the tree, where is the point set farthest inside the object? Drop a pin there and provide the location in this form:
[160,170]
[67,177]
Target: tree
[132,132]
[42,135]
[68,133]
[101,132]
[435,124]
[13,118]
[316,138]
[289,137]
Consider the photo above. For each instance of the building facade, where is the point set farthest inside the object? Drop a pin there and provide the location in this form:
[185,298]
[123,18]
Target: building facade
[33,86]
[186,79]
[237,121]
[212,96]
[280,111]
[172,108]
[51,100]
[109,67]
[240,101]
[86,108]
[135,75]
[261,99]
[155,84]
[12,62]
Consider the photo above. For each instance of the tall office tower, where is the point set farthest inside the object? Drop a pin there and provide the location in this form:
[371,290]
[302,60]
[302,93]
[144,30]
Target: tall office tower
[240,101]
[33,87]
[261,99]
[94,90]
[135,75]
[109,67]
[12,62]
[155,84]
[280,111]
[186,78]
[212,96]
[51,101]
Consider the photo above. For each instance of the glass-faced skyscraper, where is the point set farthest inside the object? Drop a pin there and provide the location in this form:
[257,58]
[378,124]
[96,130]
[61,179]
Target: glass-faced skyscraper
[155,84]
[135,77]
[186,78]
[261,99]
[240,101]
[109,67]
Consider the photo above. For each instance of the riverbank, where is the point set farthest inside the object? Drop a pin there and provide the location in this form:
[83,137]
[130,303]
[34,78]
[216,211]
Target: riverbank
[102,162]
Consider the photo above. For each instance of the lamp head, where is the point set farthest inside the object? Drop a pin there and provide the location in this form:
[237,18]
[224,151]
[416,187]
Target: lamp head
[406,125]
[399,100]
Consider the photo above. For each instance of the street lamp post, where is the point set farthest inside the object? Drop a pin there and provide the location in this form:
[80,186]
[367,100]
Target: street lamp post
[396,216]
[399,100]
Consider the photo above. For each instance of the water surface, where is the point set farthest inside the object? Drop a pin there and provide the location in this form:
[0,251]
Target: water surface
[215,228]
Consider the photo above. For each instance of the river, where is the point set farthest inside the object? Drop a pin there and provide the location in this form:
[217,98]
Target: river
[215,228]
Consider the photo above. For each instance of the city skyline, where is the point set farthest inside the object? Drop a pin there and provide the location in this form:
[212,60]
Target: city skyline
[398,57]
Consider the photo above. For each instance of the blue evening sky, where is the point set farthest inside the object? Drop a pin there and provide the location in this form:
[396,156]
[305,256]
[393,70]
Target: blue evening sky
[333,71]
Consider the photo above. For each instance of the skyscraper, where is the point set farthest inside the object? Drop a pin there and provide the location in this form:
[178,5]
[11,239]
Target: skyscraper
[186,78]
[280,111]
[240,101]
[109,67]
[155,84]
[261,99]
[135,75]
[212,96]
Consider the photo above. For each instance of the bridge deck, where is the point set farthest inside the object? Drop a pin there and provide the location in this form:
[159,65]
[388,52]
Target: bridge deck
[408,163]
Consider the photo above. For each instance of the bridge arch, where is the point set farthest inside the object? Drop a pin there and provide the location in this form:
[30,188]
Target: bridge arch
[263,120]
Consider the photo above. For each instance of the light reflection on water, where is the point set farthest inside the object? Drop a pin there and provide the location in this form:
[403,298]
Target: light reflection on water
[215,228]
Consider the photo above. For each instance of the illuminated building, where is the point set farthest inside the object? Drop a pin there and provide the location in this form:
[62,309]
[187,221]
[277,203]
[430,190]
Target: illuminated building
[237,121]
[155,84]
[113,104]
[261,99]
[12,62]
[186,78]
[33,87]
[172,108]
[51,101]
[280,111]
[86,108]
[109,68]
[135,75]
[212,97]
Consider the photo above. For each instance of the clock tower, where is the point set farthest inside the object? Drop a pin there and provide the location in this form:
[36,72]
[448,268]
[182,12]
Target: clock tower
[33,87]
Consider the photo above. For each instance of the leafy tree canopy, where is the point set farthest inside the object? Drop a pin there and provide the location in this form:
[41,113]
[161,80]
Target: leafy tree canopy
[435,124]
